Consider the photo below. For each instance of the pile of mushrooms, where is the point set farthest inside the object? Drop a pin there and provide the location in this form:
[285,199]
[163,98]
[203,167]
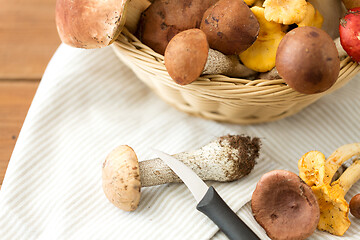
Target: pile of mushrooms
[319,172]
[242,36]
[225,159]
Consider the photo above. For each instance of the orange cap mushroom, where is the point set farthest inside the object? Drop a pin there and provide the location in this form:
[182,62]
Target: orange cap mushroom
[94,24]
[187,56]
[90,23]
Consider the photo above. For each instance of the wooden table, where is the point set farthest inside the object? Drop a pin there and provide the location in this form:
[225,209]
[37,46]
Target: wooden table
[28,39]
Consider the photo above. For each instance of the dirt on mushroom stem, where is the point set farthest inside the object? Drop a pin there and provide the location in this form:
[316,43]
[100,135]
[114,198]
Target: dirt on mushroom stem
[225,159]
[248,149]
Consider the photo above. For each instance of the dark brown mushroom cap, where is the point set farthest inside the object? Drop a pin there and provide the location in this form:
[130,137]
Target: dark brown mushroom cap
[230,26]
[164,19]
[308,61]
[285,206]
[89,23]
[186,56]
[355,205]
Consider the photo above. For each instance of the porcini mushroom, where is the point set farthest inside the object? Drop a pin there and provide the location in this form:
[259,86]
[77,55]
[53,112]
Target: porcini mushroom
[230,26]
[164,19]
[308,61]
[187,56]
[285,206]
[262,54]
[227,158]
[96,24]
[318,173]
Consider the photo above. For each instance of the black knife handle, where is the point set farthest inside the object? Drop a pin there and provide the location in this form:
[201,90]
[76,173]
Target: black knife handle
[213,206]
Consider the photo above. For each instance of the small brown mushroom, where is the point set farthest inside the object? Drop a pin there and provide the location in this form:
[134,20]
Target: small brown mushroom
[227,158]
[96,24]
[355,205]
[230,26]
[164,19]
[187,56]
[285,206]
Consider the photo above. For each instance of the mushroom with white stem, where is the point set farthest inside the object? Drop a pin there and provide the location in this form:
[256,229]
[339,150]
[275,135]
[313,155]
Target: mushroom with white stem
[342,53]
[188,55]
[95,24]
[227,158]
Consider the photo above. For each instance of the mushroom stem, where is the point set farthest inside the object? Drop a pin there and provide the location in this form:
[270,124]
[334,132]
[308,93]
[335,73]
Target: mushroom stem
[341,51]
[348,178]
[133,13]
[218,63]
[338,157]
[227,158]
[271,75]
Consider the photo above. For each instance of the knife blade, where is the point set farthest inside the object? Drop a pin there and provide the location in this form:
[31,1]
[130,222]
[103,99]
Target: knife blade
[209,201]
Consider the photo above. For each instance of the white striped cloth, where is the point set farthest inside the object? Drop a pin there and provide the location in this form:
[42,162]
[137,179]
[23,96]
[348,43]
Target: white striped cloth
[88,102]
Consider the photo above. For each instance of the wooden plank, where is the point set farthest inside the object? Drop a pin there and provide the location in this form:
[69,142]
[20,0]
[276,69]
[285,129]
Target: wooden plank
[15,100]
[28,37]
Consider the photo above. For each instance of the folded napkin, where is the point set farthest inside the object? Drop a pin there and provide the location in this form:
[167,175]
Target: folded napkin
[88,103]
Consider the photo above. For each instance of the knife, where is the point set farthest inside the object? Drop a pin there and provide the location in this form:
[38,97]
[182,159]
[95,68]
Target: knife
[209,201]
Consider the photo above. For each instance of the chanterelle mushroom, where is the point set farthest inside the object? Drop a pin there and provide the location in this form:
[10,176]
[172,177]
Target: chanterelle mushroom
[318,173]
[285,206]
[227,158]
[93,23]
[285,11]
[262,54]
[313,17]
[187,56]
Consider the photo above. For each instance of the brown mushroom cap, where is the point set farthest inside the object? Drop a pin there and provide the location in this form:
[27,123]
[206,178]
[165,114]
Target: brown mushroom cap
[285,206]
[308,61]
[355,205]
[89,23]
[164,19]
[186,56]
[121,178]
[230,26]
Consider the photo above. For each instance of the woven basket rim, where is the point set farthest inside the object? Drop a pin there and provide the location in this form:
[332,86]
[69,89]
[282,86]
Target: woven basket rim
[218,97]
[206,84]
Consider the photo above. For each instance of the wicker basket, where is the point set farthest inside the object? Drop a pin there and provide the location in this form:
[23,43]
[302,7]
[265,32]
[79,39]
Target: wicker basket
[219,97]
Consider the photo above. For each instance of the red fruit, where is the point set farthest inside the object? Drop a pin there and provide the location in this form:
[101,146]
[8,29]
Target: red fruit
[350,33]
